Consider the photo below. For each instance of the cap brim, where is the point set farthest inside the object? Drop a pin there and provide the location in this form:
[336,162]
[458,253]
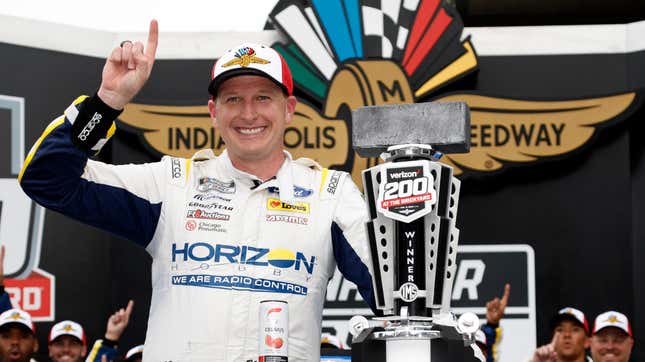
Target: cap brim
[215,83]
[136,355]
[566,317]
[67,334]
[612,326]
[17,324]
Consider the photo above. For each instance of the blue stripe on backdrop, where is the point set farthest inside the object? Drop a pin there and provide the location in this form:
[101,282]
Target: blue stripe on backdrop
[335,22]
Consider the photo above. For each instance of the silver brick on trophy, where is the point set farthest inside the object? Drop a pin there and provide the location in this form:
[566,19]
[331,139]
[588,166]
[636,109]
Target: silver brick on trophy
[412,201]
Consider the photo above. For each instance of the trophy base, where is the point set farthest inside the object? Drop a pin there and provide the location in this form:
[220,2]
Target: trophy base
[367,347]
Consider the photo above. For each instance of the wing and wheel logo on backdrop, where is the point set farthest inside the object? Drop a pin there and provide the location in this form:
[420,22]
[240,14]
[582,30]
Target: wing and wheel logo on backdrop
[349,54]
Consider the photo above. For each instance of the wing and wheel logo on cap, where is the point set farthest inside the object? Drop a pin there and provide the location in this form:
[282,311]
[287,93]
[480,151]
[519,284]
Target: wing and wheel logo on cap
[243,57]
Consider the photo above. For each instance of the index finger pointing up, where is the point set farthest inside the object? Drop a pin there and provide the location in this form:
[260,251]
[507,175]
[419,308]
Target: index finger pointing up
[153,40]
[556,335]
[507,293]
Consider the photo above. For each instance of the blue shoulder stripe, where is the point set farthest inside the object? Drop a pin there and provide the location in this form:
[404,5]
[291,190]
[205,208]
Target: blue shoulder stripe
[351,265]
[53,179]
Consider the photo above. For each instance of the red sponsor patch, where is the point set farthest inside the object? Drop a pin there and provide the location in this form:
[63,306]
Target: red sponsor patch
[190,225]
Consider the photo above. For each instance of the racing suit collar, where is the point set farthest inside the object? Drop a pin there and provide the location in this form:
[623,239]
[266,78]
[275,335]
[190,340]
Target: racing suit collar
[283,179]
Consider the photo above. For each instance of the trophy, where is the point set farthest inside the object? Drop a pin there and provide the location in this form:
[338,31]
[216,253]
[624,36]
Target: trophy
[412,201]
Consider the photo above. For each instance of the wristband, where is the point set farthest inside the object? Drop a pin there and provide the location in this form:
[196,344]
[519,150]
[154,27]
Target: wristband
[91,125]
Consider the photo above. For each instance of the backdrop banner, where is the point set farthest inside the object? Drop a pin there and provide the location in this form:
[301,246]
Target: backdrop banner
[556,164]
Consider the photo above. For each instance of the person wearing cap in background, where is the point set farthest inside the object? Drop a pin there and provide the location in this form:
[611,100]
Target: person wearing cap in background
[107,347]
[491,330]
[612,339]
[570,338]
[135,354]
[225,232]
[18,340]
[331,349]
[67,342]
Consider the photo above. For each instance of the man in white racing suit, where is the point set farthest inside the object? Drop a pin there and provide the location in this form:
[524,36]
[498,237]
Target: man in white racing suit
[225,232]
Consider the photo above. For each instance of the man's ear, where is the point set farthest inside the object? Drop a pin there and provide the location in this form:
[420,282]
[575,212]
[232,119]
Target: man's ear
[84,351]
[35,345]
[587,342]
[211,110]
[290,109]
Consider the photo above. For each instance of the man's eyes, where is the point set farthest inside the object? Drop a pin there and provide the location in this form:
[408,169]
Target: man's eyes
[232,99]
[236,99]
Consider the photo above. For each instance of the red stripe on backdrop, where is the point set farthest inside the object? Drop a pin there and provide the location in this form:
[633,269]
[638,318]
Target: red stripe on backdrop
[424,16]
[436,29]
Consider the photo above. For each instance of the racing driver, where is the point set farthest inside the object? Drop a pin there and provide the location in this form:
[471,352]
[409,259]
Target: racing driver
[225,232]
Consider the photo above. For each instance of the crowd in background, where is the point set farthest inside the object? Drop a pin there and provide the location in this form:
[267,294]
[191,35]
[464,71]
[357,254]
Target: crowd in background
[609,340]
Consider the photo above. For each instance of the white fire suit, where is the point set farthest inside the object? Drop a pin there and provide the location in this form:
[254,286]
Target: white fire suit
[221,240]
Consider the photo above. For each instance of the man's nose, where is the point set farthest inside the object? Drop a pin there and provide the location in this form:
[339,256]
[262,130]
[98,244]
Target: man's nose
[248,110]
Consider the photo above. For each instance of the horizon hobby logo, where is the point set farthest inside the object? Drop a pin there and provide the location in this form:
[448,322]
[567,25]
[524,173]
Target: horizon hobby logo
[219,254]
[348,55]
[244,57]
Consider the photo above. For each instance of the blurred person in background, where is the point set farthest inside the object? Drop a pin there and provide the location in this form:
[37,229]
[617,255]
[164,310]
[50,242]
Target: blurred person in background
[67,342]
[135,354]
[493,332]
[612,339]
[570,338]
[115,326]
[17,336]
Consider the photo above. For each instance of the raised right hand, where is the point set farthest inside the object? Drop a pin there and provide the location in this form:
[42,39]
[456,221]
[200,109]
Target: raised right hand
[118,321]
[547,352]
[127,69]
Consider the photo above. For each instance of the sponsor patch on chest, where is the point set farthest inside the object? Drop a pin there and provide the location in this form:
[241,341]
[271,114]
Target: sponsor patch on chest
[277,205]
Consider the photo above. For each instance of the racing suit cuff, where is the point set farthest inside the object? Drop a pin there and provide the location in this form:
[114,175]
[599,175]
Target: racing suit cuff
[110,343]
[93,125]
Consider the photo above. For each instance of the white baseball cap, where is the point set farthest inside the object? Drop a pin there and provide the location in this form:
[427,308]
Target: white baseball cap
[67,328]
[331,340]
[573,314]
[17,316]
[134,351]
[612,319]
[254,59]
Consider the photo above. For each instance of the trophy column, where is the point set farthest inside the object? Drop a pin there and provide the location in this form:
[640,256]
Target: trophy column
[412,201]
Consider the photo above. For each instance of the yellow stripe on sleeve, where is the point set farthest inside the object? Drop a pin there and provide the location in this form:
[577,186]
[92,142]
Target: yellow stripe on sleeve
[52,126]
[188,163]
[95,350]
[324,177]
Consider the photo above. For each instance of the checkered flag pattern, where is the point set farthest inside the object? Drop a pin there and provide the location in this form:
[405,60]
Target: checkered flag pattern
[386,26]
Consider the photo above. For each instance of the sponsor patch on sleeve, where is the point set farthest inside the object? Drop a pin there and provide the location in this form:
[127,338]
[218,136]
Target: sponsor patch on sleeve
[331,183]
[178,171]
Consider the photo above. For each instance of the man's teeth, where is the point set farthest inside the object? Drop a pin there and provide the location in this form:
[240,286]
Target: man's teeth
[251,130]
